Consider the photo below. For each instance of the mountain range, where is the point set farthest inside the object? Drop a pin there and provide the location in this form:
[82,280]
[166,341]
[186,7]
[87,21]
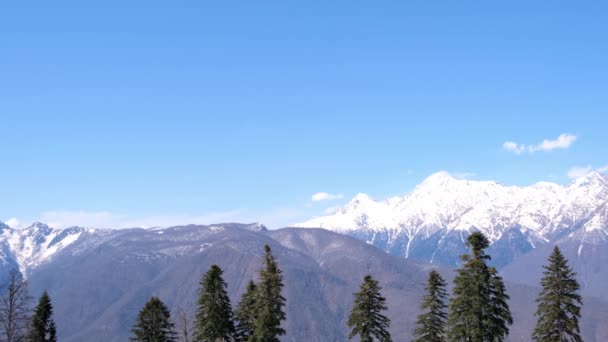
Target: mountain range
[99,279]
[431,223]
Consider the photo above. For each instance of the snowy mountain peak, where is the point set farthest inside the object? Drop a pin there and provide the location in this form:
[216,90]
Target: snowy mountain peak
[34,245]
[439,178]
[442,204]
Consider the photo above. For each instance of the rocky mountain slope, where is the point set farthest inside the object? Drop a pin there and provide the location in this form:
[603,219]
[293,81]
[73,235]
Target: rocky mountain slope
[431,223]
[100,280]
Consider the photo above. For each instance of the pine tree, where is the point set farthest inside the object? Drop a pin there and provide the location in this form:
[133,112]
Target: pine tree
[245,314]
[366,319]
[559,304]
[214,314]
[42,326]
[478,310]
[431,323]
[269,302]
[154,323]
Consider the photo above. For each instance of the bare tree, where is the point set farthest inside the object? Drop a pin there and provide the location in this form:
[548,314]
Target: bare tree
[184,324]
[15,308]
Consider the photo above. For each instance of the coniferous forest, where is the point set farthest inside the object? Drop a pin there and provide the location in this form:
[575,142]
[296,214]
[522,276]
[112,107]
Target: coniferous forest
[476,311]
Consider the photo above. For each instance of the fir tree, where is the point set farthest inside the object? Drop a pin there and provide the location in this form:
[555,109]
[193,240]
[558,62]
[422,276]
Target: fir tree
[431,323]
[214,314]
[245,314]
[42,327]
[478,310]
[269,302]
[366,319]
[559,304]
[154,323]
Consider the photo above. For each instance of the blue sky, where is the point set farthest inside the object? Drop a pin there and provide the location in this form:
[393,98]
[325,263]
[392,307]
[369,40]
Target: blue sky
[171,112]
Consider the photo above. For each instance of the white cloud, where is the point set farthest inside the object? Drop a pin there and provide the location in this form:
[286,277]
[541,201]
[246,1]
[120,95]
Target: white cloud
[581,171]
[512,146]
[463,175]
[602,169]
[324,196]
[332,210]
[13,222]
[563,141]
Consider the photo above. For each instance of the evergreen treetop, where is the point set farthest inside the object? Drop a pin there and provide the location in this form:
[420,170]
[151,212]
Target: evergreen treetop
[366,319]
[214,314]
[154,323]
[269,301]
[559,304]
[478,309]
[245,313]
[431,323]
[42,327]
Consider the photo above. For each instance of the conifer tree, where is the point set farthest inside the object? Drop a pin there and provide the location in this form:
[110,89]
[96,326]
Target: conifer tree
[42,327]
[559,304]
[245,314]
[214,314]
[269,302]
[366,319]
[478,310]
[431,323]
[154,323]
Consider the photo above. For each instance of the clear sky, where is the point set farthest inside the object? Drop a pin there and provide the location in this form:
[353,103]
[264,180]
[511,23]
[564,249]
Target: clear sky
[125,113]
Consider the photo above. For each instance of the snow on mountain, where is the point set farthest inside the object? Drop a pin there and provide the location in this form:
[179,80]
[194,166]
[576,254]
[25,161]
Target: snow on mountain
[27,248]
[442,210]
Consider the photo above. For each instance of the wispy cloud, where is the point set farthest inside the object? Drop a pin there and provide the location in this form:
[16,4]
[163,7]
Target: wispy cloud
[463,175]
[581,171]
[332,210]
[273,218]
[324,196]
[563,141]
[13,222]
[514,147]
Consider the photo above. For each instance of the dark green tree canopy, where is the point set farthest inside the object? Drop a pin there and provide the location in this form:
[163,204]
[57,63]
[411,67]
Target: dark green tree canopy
[366,318]
[214,314]
[245,314]
[559,304]
[430,326]
[42,327]
[154,323]
[269,301]
[478,310]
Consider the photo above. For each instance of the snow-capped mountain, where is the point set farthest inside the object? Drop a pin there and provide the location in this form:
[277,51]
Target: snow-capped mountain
[431,223]
[27,248]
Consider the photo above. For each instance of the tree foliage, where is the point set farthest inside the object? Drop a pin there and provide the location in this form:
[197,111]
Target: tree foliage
[154,323]
[431,323]
[366,319]
[42,327]
[214,314]
[245,313]
[559,304]
[478,310]
[269,302]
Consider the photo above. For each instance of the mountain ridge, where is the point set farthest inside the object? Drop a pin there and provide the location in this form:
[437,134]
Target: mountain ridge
[429,221]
